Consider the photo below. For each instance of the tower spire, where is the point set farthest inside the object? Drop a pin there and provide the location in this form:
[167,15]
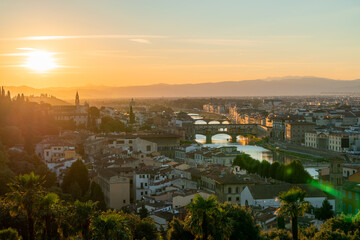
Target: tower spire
[77,99]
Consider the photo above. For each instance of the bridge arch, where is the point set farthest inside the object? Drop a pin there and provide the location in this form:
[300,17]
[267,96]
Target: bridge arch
[214,122]
[200,121]
[233,130]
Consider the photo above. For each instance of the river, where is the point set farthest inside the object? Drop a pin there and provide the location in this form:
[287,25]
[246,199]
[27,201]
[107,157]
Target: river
[255,152]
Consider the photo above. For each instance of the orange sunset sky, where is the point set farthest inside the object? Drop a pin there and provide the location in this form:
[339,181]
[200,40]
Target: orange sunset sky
[123,43]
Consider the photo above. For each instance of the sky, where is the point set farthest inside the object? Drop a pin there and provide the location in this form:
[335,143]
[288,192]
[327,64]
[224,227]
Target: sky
[73,43]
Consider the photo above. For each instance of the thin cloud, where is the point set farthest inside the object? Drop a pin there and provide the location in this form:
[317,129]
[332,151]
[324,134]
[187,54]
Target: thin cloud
[215,41]
[28,52]
[210,66]
[111,36]
[140,40]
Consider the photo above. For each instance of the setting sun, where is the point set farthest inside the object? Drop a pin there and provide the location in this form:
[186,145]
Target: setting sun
[40,61]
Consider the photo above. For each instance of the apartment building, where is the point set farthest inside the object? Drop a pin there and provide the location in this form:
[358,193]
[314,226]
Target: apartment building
[115,186]
[295,131]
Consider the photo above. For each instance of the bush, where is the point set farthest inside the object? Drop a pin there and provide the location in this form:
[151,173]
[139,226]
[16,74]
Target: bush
[9,234]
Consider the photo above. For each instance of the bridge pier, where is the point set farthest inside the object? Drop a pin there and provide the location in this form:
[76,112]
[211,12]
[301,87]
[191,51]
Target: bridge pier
[208,139]
[233,138]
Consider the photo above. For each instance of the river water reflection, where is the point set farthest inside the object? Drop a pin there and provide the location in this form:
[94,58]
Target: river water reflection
[255,152]
[220,140]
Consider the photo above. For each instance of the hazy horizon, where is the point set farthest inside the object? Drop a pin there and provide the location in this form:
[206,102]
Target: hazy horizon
[164,83]
[141,43]
[285,86]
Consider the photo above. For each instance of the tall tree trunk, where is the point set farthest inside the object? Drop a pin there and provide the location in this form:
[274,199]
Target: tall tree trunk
[85,230]
[294,227]
[48,228]
[204,227]
[31,227]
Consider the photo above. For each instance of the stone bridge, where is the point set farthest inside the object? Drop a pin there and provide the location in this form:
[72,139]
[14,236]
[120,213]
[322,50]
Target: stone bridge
[220,121]
[233,130]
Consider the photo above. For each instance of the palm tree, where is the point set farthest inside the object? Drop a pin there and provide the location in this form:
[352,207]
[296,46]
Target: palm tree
[202,216]
[83,212]
[23,197]
[292,204]
[49,210]
[110,225]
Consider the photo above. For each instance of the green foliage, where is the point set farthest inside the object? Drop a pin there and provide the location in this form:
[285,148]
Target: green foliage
[145,127]
[203,218]
[325,211]
[23,197]
[160,108]
[48,210]
[142,228]
[331,235]
[9,234]
[76,180]
[293,172]
[242,223]
[37,214]
[276,234]
[108,124]
[97,195]
[348,224]
[143,212]
[110,225]
[11,135]
[22,120]
[24,163]
[82,215]
[6,175]
[93,114]
[208,219]
[308,233]
[178,230]
[131,116]
[292,204]
[18,222]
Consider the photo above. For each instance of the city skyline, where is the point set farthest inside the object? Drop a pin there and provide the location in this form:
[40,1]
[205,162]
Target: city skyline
[122,43]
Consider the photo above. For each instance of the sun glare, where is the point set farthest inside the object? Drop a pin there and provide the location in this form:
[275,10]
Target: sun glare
[40,61]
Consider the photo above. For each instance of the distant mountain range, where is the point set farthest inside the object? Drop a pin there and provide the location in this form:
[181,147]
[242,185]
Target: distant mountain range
[285,86]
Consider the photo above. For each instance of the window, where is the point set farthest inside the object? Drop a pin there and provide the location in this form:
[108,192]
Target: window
[141,193]
[357,196]
[237,199]
[349,193]
[148,148]
[124,201]
[229,199]
[229,190]
[145,192]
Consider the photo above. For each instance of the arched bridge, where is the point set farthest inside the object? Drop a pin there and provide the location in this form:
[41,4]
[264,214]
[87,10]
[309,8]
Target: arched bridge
[233,130]
[211,121]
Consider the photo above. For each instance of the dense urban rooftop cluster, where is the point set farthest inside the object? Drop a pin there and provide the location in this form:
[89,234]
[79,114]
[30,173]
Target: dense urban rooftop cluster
[144,158]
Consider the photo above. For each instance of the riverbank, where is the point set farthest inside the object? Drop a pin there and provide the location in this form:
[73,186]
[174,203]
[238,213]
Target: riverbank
[302,156]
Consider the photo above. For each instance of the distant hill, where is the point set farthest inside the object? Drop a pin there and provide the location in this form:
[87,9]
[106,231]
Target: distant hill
[285,86]
[47,99]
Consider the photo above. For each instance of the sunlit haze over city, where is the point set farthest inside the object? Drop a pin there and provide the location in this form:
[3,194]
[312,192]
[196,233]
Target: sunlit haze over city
[180,119]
